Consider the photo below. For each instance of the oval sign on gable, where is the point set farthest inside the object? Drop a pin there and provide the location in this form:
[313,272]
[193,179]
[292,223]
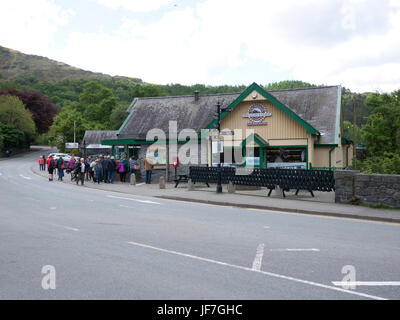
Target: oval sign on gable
[256,114]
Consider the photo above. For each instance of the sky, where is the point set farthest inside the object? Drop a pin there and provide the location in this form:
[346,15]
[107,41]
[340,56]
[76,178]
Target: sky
[353,43]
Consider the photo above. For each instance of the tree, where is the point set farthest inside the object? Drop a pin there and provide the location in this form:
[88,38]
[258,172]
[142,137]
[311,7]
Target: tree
[382,131]
[42,109]
[118,116]
[13,112]
[10,137]
[97,102]
[62,130]
[289,84]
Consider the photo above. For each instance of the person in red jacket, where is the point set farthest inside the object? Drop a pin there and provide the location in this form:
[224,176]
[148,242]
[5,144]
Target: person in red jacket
[41,164]
[51,164]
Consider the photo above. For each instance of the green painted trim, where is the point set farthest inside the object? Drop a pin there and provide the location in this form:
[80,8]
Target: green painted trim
[330,157]
[325,145]
[254,86]
[256,138]
[128,117]
[287,147]
[338,111]
[307,157]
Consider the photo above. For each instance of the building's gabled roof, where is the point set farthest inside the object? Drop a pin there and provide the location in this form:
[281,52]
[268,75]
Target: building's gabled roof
[316,109]
[97,136]
[151,113]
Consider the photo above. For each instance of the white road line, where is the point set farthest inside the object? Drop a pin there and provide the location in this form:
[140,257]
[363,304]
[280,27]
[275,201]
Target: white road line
[266,227]
[53,208]
[275,275]
[258,259]
[26,178]
[140,184]
[1,174]
[72,229]
[295,250]
[366,283]
[130,199]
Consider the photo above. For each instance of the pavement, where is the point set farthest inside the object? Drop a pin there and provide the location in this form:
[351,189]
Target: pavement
[62,241]
[322,204]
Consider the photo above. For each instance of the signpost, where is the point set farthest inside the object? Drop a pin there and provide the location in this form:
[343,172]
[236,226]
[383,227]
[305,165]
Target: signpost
[217,116]
[71,145]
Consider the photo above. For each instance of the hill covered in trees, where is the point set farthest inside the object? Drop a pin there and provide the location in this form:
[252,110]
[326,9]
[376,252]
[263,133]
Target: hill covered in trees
[15,64]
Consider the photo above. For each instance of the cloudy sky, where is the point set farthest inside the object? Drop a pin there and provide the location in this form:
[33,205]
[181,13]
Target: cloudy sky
[355,43]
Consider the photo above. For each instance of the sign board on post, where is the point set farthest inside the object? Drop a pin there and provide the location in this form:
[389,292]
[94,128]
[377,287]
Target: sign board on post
[71,145]
[175,162]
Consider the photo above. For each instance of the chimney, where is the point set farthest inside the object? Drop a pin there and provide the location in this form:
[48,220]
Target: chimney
[196,95]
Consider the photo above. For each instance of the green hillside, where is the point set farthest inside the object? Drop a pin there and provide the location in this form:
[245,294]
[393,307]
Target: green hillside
[15,64]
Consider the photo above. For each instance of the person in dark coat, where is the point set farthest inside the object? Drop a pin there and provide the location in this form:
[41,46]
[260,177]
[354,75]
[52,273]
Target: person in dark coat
[51,164]
[111,167]
[60,167]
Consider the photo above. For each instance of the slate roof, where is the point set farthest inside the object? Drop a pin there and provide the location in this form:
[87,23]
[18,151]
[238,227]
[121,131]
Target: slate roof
[97,136]
[317,106]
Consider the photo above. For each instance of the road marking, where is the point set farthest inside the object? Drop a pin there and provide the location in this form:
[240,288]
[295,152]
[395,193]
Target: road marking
[258,259]
[140,184]
[275,275]
[72,229]
[296,250]
[266,227]
[53,208]
[137,200]
[26,178]
[366,283]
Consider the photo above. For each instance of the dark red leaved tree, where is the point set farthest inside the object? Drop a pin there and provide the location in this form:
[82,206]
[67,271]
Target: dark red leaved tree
[42,109]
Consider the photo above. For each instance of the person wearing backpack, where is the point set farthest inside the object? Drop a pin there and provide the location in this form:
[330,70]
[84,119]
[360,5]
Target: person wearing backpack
[60,167]
[51,164]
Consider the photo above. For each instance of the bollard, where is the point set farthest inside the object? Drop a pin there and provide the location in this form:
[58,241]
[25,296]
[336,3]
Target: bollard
[162,182]
[231,187]
[133,179]
[190,185]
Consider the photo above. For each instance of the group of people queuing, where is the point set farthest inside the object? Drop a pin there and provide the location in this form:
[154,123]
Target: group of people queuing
[96,169]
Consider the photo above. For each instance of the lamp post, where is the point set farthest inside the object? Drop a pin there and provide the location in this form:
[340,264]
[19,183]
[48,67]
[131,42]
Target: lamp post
[84,149]
[217,116]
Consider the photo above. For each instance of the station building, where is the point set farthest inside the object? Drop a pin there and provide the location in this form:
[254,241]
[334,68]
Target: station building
[296,128]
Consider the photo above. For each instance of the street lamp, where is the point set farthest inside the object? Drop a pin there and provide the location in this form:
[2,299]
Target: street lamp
[217,116]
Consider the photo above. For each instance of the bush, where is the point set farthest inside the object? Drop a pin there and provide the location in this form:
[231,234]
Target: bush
[389,163]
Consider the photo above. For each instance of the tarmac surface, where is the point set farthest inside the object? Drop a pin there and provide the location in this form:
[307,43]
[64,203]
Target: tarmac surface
[126,242]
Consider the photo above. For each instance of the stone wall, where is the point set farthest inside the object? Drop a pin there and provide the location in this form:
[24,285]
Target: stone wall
[369,189]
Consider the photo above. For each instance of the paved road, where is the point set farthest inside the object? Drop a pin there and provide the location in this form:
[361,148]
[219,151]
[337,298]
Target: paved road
[105,245]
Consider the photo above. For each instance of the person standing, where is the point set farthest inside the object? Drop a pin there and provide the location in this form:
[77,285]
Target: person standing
[45,161]
[51,164]
[98,170]
[88,169]
[105,168]
[121,171]
[148,166]
[60,167]
[41,163]
[111,167]
[133,165]
[80,171]
[126,167]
